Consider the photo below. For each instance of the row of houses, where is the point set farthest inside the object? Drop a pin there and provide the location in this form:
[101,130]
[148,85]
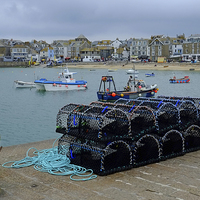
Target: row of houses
[179,47]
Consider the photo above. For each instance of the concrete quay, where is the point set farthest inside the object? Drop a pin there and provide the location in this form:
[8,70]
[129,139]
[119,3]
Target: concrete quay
[176,178]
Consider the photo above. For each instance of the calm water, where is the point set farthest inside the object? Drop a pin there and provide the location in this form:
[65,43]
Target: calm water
[28,115]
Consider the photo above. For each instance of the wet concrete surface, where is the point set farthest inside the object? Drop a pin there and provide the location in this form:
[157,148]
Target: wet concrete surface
[176,178]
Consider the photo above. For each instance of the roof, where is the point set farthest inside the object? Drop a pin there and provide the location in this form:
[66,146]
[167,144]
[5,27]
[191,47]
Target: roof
[19,46]
[47,48]
[81,36]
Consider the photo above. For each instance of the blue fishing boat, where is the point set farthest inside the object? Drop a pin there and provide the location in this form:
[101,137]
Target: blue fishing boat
[135,88]
[65,82]
[150,74]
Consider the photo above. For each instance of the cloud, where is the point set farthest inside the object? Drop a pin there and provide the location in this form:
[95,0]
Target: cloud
[97,20]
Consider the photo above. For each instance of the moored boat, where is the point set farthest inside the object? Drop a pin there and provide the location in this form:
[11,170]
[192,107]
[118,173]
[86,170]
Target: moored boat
[135,88]
[185,79]
[112,70]
[132,71]
[65,82]
[150,74]
[24,84]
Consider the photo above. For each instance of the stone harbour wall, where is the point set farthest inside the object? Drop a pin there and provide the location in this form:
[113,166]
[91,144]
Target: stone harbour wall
[14,64]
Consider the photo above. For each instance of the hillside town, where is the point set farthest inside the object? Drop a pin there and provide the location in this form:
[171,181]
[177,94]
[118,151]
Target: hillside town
[158,48]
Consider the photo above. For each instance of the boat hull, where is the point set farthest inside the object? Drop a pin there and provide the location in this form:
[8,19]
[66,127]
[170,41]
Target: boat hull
[40,84]
[23,84]
[64,86]
[179,80]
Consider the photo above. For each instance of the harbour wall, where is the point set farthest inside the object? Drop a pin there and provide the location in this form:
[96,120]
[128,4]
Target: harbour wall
[14,64]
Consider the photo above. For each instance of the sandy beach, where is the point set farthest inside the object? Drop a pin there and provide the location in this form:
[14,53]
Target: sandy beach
[138,66]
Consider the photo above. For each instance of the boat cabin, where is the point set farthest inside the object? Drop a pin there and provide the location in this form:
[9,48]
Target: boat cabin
[135,85]
[66,76]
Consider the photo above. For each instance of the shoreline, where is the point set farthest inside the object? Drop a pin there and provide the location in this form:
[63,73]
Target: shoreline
[138,66]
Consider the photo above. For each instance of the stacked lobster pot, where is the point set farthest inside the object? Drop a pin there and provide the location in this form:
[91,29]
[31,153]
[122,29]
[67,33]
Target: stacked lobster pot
[112,137]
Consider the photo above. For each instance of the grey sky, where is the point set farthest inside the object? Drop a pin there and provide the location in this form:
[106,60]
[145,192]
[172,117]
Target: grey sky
[97,20]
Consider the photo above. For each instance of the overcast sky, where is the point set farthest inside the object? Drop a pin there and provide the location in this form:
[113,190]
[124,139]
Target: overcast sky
[97,20]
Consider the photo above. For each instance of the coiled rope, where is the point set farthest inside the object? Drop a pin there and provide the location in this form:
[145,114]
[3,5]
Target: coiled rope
[49,160]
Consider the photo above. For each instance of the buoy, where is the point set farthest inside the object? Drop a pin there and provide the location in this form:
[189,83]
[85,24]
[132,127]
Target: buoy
[155,91]
[139,86]
[54,84]
[66,85]
[113,94]
[60,85]
[78,85]
[85,85]
[122,95]
[139,95]
[104,78]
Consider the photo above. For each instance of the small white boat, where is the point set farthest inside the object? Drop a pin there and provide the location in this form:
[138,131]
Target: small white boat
[112,70]
[24,84]
[132,71]
[136,61]
[65,82]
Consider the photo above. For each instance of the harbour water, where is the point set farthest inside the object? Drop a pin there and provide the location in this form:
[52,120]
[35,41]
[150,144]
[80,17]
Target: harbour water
[28,115]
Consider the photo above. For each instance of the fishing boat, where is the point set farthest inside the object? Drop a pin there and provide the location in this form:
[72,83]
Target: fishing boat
[24,84]
[185,79]
[65,82]
[132,71]
[135,88]
[150,75]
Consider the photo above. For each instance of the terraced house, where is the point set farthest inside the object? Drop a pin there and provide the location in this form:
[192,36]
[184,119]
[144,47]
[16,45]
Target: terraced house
[19,52]
[139,49]
[191,48]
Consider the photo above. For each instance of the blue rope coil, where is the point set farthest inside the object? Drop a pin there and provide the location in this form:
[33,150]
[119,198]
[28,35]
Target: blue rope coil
[49,160]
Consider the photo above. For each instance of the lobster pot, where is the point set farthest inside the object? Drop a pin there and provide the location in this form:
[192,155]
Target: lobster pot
[64,113]
[172,144]
[99,124]
[167,118]
[103,160]
[146,150]
[195,100]
[167,115]
[127,107]
[142,121]
[188,113]
[102,104]
[130,102]
[192,138]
